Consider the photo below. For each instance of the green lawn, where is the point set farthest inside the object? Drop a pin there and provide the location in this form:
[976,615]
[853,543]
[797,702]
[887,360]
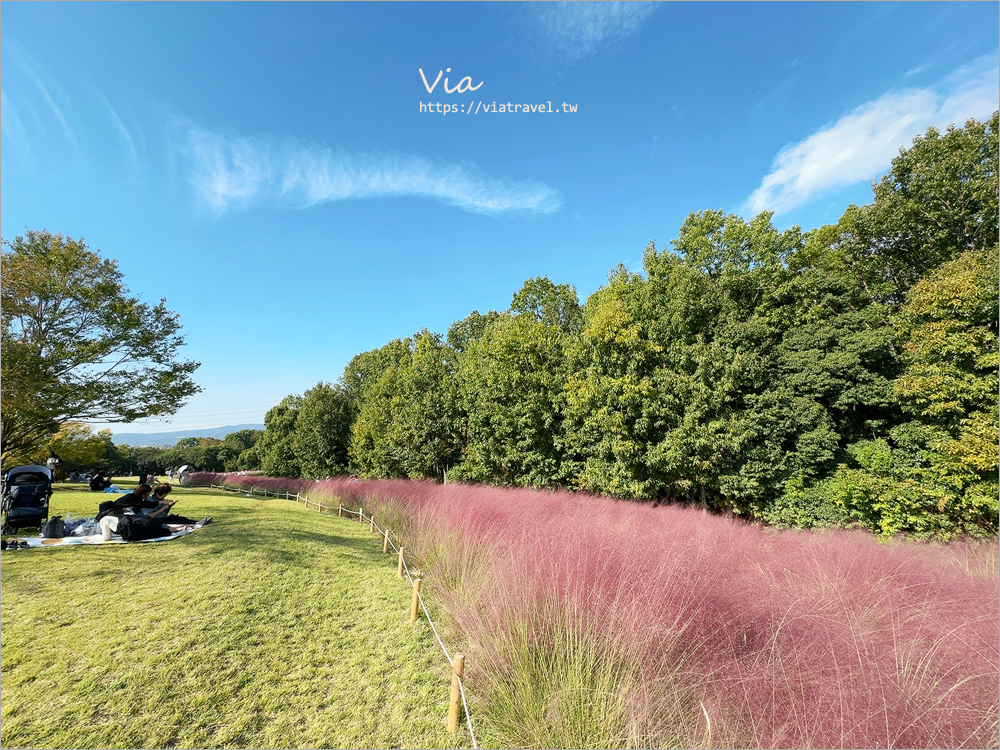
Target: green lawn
[274,626]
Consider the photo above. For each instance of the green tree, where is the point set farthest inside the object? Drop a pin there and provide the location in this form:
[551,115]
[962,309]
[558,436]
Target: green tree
[552,304]
[249,459]
[365,369]
[409,424]
[372,451]
[620,396]
[429,425]
[276,447]
[76,345]
[323,431]
[76,444]
[691,384]
[936,475]
[79,447]
[939,199]
[200,453]
[511,382]
[371,383]
[126,462]
[747,431]
[236,451]
[462,332]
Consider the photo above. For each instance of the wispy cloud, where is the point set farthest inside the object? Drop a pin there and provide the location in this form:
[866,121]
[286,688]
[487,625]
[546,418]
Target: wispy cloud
[232,172]
[119,126]
[579,29]
[10,122]
[861,144]
[31,70]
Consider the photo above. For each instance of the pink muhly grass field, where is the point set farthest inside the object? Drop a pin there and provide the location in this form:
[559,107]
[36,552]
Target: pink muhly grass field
[594,622]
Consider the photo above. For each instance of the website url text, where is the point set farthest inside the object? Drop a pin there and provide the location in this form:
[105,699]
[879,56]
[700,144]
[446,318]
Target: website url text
[482,108]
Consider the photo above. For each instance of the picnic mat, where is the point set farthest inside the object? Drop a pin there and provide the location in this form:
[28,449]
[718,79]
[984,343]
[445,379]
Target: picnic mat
[36,541]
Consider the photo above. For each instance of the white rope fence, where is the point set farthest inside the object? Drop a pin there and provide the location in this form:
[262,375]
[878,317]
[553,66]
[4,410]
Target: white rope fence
[458,662]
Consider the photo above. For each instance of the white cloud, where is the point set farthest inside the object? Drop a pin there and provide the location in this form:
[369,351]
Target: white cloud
[30,68]
[230,172]
[120,127]
[861,144]
[9,120]
[578,29]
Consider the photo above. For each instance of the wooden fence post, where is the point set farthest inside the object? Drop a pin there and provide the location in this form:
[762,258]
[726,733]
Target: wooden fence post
[455,707]
[340,511]
[399,569]
[415,600]
[372,530]
[361,514]
[385,542]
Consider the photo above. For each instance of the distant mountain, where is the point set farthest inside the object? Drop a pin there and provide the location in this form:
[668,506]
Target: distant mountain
[169,439]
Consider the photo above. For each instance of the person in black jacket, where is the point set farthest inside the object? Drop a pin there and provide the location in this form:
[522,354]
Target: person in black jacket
[99,482]
[135,501]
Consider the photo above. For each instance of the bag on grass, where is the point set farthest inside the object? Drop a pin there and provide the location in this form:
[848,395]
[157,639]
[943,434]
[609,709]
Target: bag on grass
[140,528]
[89,527]
[54,528]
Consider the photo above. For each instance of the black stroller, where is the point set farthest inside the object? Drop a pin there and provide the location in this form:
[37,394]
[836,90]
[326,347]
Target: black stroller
[26,493]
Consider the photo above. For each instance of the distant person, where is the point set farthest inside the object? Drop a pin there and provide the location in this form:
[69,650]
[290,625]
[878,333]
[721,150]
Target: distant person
[54,463]
[99,482]
[170,475]
[143,472]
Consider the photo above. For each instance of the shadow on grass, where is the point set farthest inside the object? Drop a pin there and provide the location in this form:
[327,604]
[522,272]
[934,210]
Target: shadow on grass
[284,545]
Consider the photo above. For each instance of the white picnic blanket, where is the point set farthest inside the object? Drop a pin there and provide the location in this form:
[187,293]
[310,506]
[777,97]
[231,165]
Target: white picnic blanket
[34,542]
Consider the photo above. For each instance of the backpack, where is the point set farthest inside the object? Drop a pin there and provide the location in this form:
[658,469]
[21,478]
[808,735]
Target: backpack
[141,528]
[54,528]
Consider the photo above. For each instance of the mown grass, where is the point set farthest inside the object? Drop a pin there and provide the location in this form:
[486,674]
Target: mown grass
[275,626]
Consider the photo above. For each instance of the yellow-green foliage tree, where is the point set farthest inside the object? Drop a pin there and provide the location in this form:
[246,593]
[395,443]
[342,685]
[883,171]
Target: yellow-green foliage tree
[75,443]
[936,475]
[78,446]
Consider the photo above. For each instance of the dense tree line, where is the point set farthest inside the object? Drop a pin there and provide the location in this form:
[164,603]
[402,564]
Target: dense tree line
[845,375]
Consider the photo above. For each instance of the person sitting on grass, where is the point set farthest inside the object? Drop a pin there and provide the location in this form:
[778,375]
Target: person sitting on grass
[163,506]
[134,501]
[99,482]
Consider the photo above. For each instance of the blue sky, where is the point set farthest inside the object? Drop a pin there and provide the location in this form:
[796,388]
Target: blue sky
[266,167]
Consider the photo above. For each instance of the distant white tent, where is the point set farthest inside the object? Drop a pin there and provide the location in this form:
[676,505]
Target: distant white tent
[182,475]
